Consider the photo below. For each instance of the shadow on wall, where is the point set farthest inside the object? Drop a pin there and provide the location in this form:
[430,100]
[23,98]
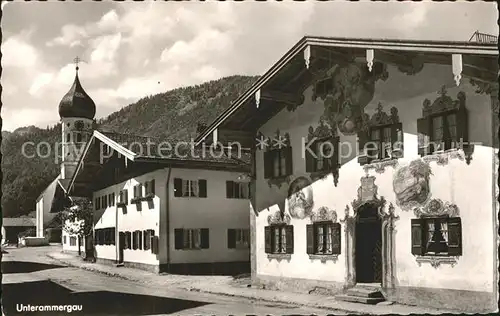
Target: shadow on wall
[47,293]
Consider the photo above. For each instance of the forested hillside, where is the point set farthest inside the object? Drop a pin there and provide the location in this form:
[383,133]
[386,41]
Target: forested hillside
[173,114]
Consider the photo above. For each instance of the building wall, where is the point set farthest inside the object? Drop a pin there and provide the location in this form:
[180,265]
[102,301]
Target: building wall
[39,218]
[43,207]
[468,186]
[65,239]
[143,216]
[215,212]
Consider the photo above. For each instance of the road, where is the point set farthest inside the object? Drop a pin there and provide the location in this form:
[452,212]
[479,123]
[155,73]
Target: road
[31,278]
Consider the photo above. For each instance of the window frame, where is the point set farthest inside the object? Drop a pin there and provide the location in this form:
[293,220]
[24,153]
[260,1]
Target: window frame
[237,190]
[420,236]
[446,140]
[335,227]
[283,231]
[381,150]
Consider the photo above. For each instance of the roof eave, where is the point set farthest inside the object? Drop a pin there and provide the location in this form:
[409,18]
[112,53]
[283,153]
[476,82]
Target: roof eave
[402,45]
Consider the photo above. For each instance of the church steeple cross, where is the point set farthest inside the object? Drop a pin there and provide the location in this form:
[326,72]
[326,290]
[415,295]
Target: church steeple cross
[77,60]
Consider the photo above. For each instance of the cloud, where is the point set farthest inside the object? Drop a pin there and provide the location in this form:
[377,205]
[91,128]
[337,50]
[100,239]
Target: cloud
[40,81]
[414,16]
[72,35]
[207,73]
[17,52]
[202,48]
[109,21]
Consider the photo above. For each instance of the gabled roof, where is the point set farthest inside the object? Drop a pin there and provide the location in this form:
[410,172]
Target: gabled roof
[147,149]
[19,221]
[417,46]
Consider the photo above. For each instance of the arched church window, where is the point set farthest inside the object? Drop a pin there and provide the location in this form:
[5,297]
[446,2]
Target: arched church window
[78,137]
[68,137]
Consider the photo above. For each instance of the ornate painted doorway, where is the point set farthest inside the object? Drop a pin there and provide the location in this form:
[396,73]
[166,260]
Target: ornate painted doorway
[368,248]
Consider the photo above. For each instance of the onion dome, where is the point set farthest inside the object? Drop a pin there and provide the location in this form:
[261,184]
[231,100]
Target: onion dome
[77,103]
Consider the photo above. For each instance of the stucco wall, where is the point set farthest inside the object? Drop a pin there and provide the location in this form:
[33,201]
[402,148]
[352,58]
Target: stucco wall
[215,212]
[468,186]
[142,216]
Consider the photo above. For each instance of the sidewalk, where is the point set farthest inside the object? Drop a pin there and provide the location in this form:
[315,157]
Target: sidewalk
[226,285]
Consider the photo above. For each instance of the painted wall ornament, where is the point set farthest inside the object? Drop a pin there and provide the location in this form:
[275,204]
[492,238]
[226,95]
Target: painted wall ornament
[350,88]
[367,193]
[278,217]
[324,214]
[416,65]
[411,184]
[300,198]
[436,207]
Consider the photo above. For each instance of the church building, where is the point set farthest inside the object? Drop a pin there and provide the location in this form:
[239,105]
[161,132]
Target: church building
[374,171]
[76,111]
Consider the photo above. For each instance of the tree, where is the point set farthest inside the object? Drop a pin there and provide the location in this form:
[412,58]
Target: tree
[78,221]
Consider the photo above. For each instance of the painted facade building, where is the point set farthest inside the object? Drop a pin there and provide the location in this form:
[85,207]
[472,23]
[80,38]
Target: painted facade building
[178,212]
[375,168]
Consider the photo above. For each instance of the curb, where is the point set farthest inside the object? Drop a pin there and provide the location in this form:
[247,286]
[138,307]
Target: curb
[188,289]
[214,292]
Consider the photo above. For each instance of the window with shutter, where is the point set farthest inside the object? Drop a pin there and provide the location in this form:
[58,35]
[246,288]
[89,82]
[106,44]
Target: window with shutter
[113,236]
[134,240]
[177,187]
[202,187]
[179,238]
[383,142]
[323,238]
[205,238]
[155,249]
[310,239]
[268,164]
[229,189]
[288,153]
[231,238]
[454,236]
[139,239]
[268,239]
[363,138]
[289,239]
[416,236]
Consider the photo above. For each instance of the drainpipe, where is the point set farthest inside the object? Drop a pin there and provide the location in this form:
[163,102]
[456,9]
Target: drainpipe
[167,212]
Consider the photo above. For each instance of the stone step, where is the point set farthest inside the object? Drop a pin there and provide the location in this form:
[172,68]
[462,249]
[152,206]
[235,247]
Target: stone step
[365,292]
[360,299]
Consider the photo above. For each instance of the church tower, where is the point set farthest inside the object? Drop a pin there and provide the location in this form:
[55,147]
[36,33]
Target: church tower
[77,111]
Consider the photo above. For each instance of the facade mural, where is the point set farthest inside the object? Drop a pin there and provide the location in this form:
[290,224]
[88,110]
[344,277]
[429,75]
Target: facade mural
[346,90]
[278,217]
[436,207]
[411,184]
[324,214]
[300,198]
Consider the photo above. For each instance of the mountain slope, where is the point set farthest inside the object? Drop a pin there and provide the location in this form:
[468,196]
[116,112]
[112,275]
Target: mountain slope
[173,114]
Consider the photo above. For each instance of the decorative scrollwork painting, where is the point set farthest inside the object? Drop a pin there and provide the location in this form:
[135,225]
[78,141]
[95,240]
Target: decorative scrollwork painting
[411,184]
[437,207]
[300,198]
[367,193]
[278,217]
[324,214]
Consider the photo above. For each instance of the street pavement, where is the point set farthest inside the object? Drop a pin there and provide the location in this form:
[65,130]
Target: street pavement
[31,279]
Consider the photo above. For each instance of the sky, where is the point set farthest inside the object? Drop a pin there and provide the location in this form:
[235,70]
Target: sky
[131,50]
